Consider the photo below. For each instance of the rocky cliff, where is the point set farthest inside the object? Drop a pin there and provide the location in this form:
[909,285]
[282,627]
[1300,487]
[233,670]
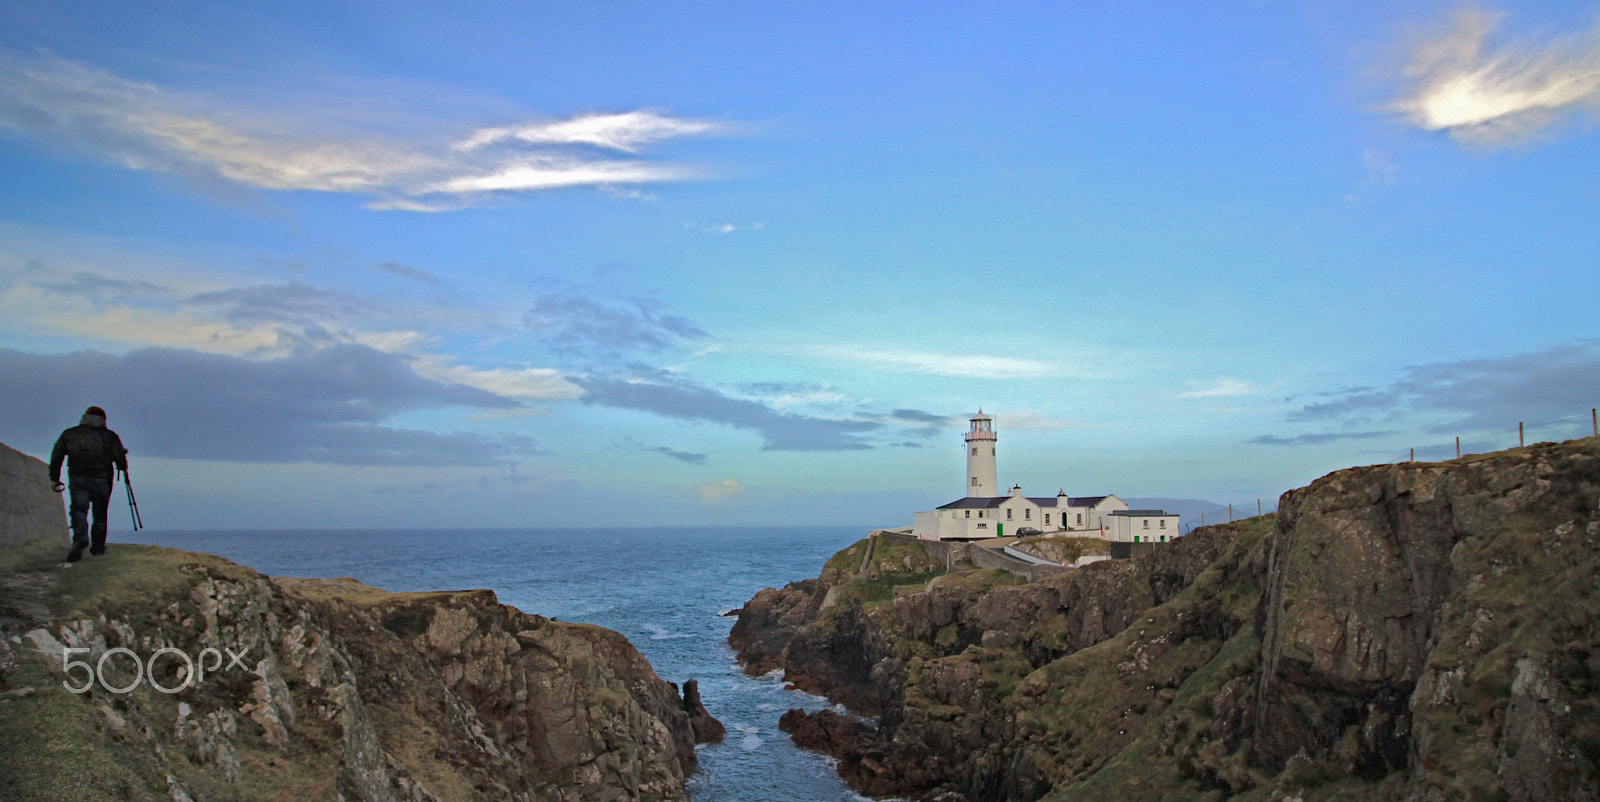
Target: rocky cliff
[314,690]
[29,509]
[1408,632]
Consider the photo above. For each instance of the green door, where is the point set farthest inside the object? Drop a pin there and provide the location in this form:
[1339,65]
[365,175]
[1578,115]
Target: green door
[999,530]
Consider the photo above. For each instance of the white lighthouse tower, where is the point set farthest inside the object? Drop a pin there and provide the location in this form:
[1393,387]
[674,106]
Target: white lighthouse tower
[981,482]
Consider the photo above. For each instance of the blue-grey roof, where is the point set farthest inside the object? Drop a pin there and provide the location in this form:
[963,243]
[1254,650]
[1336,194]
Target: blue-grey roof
[970,503]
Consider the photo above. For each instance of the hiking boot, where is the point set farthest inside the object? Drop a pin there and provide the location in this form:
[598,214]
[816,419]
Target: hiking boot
[97,550]
[75,555]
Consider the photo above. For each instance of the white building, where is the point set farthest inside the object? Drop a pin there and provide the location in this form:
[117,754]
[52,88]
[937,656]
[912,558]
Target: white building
[984,514]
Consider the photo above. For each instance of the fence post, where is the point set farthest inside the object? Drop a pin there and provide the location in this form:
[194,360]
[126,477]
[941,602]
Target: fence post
[1458,446]
[1595,418]
[1413,457]
[1521,441]
[1230,513]
[1258,508]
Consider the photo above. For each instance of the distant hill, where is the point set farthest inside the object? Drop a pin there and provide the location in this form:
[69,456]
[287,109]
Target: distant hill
[1189,510]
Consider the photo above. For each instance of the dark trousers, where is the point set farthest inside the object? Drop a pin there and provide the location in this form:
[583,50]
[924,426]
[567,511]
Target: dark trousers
[88,492]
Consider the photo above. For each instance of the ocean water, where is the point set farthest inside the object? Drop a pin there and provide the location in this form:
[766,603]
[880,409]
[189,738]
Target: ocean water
[665,589]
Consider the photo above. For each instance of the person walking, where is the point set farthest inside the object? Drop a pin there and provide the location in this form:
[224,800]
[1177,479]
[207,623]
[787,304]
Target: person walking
[93,454]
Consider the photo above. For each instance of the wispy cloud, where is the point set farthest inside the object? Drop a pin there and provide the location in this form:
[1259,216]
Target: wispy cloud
[1037,419]
[416,274]
[294,303]
[783,395]
[724,228]
[628,131]
[1476,394]
[1491,95]
[577,325]
[526,383]
[689,457]
[79,108]
[1224,387]
[925,425]
[254,320]
[721,490]
[329,406]
[954,365]
[1313,439]
[674,397]
[918,416]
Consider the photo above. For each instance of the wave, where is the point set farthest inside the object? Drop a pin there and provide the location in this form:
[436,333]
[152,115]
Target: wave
[658,632]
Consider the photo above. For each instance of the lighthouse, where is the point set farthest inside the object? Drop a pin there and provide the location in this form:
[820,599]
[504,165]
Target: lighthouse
[981,482]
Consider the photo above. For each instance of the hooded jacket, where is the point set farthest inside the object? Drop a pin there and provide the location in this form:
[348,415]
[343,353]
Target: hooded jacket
[90,449]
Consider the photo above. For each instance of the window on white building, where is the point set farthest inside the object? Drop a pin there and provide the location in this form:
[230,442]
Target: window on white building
[1027,514]
[1047,519]
[1080,517]
[1147,523]
[974,481]
[974,451]
[969,513]
[1008,515]
[1163,523]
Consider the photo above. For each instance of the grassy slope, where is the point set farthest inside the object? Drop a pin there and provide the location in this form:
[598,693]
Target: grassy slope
[59,745]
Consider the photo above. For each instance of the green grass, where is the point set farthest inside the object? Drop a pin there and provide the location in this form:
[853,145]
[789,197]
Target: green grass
[896,567]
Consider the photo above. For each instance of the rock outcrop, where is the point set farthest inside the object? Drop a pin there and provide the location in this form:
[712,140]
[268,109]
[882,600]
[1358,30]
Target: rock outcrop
[29,509]
[1413,631]
[153,673]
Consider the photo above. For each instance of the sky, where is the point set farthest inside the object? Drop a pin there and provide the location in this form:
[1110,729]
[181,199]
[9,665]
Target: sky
[507,264]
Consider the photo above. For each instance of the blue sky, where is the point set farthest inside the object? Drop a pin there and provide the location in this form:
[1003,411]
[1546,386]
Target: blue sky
[511,264]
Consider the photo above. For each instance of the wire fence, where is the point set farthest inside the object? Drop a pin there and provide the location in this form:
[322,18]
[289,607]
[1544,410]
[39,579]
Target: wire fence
[1227,513]
[1567,428]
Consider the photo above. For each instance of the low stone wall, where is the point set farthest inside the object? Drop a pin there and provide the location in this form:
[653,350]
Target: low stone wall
[1127,551]
[952,551]
[995,558]
[29,509]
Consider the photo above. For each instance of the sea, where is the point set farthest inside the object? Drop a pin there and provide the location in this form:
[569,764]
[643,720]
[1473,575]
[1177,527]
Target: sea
[666,589]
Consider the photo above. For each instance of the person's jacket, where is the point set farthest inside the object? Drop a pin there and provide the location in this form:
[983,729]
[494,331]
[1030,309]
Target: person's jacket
[90,449]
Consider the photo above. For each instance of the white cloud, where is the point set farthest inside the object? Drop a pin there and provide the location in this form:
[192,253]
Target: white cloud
[722,490]
[554,172]
[251,320]
[1036,419]
[953,365]
[531,384]
[1495,95]
[35,307]
[725,228]
[141,126]
[627,132]
[1224,387]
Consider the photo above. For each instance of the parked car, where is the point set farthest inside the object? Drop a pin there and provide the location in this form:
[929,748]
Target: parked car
[1027,531]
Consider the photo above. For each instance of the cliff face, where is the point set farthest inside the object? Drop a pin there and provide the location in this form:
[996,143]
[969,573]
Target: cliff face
[1413,631]
[314,689]
[29,509]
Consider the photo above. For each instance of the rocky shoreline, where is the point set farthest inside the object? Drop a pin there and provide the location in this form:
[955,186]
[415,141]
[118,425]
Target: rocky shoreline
[314,689]
[1419,631]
